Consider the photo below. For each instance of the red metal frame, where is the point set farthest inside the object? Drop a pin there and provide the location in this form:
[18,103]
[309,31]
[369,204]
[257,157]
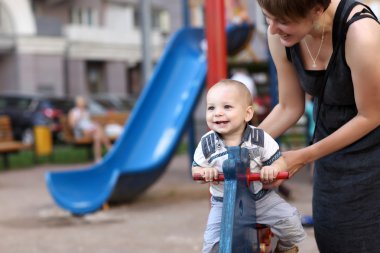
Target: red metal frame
[251,176]
[216,41]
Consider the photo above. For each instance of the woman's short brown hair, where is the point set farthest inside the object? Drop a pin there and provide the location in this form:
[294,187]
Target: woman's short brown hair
[291,9]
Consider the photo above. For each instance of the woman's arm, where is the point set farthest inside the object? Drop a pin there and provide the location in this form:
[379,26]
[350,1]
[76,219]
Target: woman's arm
[363,58]
[72,119]
[291,104]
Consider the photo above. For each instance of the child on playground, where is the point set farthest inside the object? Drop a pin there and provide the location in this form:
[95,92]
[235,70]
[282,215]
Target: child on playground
[83,126]
[229,109]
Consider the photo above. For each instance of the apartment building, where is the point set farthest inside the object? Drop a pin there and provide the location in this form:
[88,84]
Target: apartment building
[70,47]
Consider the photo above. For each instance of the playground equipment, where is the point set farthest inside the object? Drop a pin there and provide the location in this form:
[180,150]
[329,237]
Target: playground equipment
[239,228]
[150,137]
[238,37]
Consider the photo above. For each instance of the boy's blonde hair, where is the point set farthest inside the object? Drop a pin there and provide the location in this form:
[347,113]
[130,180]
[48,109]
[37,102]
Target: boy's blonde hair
[241,88]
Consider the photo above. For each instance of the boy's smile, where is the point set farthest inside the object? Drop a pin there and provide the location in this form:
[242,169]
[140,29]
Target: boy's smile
[221,122]
[221,126]
[227,111]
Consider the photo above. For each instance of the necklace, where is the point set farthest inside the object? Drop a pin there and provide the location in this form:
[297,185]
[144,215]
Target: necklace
[320,46]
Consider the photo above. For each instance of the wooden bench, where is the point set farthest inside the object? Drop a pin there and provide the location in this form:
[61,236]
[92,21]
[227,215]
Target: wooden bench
[7,144]
[103,120]
[119,118]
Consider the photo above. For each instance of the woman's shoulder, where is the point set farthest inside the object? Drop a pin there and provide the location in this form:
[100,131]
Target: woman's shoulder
[361,21]
[363,33]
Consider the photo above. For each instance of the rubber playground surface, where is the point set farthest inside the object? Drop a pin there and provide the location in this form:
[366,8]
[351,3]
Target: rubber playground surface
[169,217]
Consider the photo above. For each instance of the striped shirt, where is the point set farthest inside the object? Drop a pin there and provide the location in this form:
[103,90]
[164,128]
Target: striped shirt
[211,152]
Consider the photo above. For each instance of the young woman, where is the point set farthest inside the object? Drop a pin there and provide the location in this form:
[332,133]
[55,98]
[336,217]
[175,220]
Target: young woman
[330,50]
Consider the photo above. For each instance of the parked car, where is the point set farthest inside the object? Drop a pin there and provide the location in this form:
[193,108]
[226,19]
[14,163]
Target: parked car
[26,111]
[114,102]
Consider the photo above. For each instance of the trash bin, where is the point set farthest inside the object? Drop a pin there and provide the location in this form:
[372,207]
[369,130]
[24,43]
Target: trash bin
[43,141]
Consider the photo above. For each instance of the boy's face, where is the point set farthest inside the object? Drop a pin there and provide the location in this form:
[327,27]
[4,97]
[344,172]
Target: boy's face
[227,110]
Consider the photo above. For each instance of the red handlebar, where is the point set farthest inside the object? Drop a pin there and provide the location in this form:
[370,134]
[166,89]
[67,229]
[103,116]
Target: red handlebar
[256,176]
[250,176]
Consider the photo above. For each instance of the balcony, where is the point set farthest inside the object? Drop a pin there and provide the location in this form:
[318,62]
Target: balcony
[100,44]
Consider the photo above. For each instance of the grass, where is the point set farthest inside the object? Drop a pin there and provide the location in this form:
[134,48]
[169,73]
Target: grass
[66,154]
[182,148]
[62,154]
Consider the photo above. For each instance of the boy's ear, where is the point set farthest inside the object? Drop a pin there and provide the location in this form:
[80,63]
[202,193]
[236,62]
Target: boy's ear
[249,113]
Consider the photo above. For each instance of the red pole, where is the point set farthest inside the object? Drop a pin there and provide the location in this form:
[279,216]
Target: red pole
[216,41]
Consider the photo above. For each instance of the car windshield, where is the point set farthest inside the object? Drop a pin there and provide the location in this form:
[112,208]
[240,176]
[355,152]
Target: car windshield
[105,103]
[62,104]
[15,103]
[112,102]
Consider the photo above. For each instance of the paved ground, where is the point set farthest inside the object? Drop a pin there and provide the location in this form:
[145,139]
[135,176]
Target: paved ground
[169,218]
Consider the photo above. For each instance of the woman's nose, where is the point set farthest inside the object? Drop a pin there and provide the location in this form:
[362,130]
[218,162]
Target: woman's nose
[273,29]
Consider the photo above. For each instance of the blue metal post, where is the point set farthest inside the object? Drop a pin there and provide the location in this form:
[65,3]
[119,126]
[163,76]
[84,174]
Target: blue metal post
[238,230]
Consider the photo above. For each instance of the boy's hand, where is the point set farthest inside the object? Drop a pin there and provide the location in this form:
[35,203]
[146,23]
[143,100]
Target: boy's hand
[210,174]
[268,174]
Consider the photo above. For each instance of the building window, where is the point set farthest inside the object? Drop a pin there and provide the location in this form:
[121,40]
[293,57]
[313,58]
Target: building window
[83,16]
[156,19]
[89,17]
[160,19]
[95,77]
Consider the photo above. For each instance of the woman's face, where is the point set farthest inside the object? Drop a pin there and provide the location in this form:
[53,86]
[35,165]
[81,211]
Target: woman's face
[289,31]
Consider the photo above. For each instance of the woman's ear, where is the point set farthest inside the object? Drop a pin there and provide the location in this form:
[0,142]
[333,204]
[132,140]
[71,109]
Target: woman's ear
[318,10]
[249,113]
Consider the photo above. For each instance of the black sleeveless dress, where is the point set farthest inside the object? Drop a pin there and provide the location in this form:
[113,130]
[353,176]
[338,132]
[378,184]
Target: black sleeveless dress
[346,195]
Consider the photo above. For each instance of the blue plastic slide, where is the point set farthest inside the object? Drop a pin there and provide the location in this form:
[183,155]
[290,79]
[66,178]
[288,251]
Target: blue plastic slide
[150,137]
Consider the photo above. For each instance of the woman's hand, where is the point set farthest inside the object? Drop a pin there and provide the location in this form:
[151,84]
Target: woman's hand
[295,160]
[272,185]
